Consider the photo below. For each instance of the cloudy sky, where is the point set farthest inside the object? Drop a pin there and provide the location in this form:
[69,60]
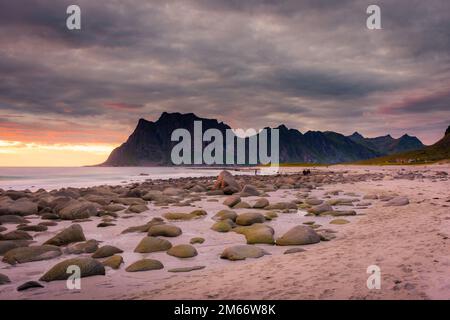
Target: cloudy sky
[69,97]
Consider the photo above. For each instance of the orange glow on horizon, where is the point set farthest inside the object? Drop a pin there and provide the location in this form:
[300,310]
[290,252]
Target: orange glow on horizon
[20,154]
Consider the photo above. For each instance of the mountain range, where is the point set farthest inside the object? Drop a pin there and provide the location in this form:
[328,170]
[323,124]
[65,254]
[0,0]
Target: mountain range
[429,154]
[387,145]
[150,143]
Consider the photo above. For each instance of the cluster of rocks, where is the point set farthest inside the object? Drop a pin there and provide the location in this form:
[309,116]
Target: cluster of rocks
[110,203]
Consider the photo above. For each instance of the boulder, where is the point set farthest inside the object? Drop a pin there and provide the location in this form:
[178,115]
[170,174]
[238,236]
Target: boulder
[199,212]
[152,195]
[231,201]
[4,279]
[321,208]
[7,245]
[14,195]
[198,188]
[241,252]
[249,190]
[261,203]
[164,230]
[75,209]
[57,203]
[81,220]
[88,267]
[173,192]
[71,234]
[294,250]
[20,207]
[257,233]
[196,240]
[114,207]
[145,265]
[10,219]
[107,214]
[242,205]
[184,216]
[130,201]
[141,228]
[32,253]
[299,235]
[113,262]
[102,200]
[144,227]
[50,216]
[339,221]
[134,193]
[396,202]
[33,228]
[281,206]
[48,223]
[16,235]
[387,196]
[214,193]
[69,193]
[249,218]
[186,269]
[137,208]
[89,246]
[152,244]
[106,251]
[105,224]
[326,234]
[270,215]
[224,215]
[343,213]
[182,251]
[223,225]
[29,285]
[226,182]
[341,202]
[313,201]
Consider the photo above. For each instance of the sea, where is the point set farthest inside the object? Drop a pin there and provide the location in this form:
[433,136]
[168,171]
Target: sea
[50,178]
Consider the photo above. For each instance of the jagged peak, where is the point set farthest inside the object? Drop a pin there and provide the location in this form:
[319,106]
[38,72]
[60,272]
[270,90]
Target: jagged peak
[356,134]
[142,123]
[176,115]
[447,131]
[142,120]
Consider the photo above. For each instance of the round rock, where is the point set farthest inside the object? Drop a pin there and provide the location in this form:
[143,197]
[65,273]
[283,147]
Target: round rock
[152,244]
[106,251]
[182,251]
[299,235]
[88,267]
[145,265]
[164,230]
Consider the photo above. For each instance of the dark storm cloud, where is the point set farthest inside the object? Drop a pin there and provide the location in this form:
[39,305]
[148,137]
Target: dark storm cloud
[429,102]
[312,64]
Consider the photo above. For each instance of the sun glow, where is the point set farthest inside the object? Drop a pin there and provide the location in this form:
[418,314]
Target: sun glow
[16,153]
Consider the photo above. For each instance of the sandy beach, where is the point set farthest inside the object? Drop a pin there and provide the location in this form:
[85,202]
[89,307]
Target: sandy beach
[408,241]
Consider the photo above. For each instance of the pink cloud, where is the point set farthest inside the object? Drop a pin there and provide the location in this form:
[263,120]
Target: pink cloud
[123,106]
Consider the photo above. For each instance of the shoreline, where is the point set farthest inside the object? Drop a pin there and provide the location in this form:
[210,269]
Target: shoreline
[404,240]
